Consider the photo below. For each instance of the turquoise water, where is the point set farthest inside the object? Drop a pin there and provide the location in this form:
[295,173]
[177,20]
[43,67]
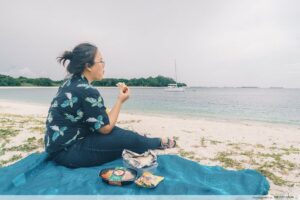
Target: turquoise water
[266,105]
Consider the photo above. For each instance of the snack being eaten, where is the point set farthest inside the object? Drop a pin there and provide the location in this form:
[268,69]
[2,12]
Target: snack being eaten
[123,86]
[148,180]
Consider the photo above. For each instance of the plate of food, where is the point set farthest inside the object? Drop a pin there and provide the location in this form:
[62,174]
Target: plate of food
[118,175]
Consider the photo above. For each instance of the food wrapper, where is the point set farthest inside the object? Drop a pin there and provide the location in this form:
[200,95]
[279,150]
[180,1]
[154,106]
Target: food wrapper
[139,161]
[148,180]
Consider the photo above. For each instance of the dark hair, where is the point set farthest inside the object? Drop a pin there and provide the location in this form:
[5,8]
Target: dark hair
[81,56]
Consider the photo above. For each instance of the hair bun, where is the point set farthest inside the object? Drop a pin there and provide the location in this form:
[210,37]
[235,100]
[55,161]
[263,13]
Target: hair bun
[68,55]
[78,58]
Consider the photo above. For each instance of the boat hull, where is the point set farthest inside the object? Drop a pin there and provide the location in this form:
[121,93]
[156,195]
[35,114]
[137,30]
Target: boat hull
[174,89]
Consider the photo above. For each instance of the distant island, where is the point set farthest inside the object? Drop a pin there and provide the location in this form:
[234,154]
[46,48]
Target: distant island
[159,81]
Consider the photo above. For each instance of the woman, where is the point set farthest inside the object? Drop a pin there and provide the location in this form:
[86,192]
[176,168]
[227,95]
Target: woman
[79,131]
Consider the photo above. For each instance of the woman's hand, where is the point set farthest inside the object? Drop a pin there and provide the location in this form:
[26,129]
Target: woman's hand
[124,92]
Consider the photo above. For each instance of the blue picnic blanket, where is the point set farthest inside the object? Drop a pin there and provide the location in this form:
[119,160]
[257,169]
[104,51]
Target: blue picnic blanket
[35,174]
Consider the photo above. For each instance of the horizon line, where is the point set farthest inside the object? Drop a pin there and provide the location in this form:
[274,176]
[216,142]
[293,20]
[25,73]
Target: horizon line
[192,86]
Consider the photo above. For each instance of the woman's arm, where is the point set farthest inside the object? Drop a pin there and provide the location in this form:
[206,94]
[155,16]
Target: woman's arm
[114,113]
[113,117]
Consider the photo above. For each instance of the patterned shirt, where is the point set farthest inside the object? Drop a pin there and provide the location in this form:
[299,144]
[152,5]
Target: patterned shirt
[76,111]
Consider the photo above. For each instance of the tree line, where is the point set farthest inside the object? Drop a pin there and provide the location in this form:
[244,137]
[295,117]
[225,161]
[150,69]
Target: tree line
[159,81]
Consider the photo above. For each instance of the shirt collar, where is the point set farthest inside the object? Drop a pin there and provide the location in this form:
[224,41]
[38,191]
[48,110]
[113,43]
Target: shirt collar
[81,77]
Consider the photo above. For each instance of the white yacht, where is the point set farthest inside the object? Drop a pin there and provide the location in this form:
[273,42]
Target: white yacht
[174,86]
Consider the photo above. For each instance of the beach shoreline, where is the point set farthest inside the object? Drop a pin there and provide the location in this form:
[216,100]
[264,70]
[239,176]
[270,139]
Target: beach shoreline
[43,108]
[271,148]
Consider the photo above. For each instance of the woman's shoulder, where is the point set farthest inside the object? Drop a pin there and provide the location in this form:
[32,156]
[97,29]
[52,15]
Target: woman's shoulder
[86,90]
[80,86]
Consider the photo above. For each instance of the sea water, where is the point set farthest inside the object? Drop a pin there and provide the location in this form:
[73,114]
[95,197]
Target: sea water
[256,104]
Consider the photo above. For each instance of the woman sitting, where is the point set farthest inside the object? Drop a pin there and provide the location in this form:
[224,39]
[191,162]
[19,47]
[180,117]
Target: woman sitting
[79,131]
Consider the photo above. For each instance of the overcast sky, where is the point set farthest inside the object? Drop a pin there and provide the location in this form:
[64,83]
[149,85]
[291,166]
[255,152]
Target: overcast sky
[214,42]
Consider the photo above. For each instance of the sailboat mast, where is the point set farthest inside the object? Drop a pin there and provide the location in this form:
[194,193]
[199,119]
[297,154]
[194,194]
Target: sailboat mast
[175,73]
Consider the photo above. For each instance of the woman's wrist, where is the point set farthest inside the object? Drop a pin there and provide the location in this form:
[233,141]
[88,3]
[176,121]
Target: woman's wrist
[119,101]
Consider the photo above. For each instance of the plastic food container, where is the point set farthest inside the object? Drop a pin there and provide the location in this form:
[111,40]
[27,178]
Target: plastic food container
[118,176]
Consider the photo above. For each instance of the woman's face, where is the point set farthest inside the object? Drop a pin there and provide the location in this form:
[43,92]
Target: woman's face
[97,70]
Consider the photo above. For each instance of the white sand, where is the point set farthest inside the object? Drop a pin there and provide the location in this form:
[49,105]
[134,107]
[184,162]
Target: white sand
[202,139]
[23,108]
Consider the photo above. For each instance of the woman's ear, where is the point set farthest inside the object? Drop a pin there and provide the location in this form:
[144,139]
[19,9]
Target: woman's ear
[87,67]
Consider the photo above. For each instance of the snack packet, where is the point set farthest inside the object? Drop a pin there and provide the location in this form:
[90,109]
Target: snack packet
[148,180]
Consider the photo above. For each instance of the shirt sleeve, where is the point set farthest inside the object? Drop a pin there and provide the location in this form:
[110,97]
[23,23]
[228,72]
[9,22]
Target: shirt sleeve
[94,111]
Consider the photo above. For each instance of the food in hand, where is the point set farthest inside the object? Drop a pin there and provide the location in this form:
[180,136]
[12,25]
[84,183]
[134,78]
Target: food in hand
[123,86]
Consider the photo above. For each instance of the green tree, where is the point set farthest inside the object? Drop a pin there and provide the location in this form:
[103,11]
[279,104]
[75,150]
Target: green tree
[8,81]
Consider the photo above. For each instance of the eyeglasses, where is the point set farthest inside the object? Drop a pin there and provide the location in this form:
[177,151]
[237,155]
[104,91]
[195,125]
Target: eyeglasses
[101,62]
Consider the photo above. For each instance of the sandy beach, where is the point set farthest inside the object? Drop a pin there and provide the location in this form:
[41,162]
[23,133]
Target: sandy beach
[272,149]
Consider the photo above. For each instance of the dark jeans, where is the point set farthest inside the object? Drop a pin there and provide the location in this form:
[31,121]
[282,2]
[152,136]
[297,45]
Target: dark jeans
[97,149]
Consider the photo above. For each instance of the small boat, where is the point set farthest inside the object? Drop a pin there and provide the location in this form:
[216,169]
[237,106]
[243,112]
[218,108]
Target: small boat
[174,86]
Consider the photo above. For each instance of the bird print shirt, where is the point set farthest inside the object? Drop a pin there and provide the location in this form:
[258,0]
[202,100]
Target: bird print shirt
[76,111]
